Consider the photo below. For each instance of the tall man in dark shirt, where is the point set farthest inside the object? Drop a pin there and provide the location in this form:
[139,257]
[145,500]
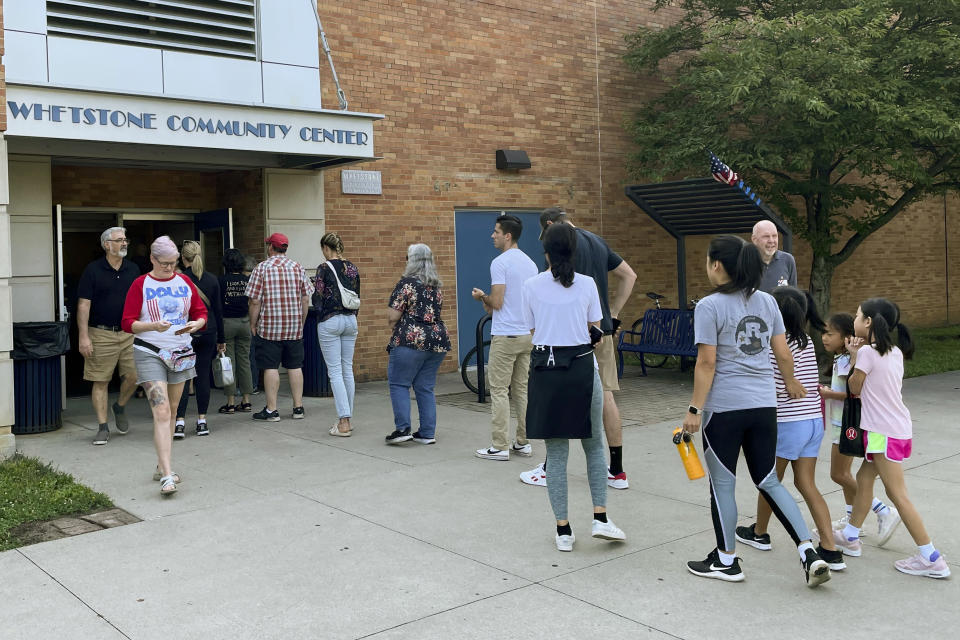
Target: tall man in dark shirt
[594,258]
[103,344]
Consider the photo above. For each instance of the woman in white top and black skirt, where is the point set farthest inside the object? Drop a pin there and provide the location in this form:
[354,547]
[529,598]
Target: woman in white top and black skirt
[565,397]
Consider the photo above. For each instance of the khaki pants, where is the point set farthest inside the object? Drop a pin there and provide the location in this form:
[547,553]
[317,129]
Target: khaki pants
[509,368]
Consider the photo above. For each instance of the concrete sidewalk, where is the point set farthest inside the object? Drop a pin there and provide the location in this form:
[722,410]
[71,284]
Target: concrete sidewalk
[282,531]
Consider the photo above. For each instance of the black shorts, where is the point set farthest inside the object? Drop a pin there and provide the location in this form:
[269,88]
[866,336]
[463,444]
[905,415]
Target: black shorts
[270,354]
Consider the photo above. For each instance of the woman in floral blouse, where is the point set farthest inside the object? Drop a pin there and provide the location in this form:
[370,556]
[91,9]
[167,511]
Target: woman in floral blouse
[417,346]
[337,327]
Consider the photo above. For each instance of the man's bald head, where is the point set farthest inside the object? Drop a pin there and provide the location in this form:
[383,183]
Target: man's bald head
[766,239]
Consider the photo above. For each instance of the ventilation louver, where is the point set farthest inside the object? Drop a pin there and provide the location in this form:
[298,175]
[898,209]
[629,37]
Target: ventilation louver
[218,27]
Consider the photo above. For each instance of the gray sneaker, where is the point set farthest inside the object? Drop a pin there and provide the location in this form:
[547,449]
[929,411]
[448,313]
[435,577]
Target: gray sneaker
[102,437]
[123,425]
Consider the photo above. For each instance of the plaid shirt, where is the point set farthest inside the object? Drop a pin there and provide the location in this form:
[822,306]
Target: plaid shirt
[279,284]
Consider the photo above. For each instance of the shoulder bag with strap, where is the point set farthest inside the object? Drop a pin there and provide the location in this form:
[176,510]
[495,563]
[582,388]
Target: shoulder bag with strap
[349,299]
[851,435]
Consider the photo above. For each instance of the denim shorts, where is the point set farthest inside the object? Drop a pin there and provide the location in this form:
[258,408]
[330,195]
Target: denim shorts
[799,439]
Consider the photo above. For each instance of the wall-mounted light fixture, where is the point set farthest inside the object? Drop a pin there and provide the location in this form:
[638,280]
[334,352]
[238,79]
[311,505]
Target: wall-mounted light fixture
[512,159]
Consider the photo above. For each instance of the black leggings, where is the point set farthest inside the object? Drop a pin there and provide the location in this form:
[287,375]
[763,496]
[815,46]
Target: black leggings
[205,345]
[754,431]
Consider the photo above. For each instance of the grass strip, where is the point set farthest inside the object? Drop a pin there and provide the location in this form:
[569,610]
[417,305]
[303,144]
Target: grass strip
[31,490]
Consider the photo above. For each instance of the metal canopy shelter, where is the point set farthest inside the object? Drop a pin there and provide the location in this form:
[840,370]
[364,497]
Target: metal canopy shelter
[703,206]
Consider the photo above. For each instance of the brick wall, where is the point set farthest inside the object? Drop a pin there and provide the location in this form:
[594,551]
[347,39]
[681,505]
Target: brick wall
[458,80]
[79,186]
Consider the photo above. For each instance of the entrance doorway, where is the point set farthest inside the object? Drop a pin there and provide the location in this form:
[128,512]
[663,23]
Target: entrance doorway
[80,245]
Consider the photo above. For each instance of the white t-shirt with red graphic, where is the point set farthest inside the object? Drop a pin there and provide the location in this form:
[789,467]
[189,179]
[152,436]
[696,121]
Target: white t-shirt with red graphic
[175,300]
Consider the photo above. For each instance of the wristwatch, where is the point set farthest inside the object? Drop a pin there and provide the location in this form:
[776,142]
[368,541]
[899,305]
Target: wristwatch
[692,409]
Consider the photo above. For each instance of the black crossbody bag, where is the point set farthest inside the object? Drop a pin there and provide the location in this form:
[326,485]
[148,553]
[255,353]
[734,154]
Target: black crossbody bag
[851,435]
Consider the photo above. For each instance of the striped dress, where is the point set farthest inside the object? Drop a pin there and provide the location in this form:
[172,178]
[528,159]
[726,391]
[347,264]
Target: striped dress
[806,371]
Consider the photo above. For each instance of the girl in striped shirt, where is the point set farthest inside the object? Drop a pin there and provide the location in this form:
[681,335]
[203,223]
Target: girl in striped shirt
[799,425]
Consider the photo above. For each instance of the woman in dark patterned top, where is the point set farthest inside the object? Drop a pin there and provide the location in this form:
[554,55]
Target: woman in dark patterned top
[417,346]
[337,327]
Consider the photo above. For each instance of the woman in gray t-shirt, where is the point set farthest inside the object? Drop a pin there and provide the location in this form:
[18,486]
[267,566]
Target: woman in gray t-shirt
[734,396]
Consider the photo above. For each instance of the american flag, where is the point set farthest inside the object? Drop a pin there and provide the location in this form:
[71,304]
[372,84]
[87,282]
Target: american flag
[721,172]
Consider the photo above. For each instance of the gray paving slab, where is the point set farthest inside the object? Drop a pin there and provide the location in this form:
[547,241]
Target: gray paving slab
[653,587]
[279,566]
[529,612]
[33,605]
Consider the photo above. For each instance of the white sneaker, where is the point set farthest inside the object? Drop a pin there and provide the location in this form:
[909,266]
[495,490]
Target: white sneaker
[618,481]
[841,524]
[493,454]
[886,524]
[565,543]
[607,531]
[537,476]
[526,450]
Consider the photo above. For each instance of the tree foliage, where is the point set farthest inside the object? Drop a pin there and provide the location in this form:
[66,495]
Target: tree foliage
[840,105]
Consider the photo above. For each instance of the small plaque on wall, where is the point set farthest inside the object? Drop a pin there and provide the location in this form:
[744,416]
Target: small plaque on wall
[361,182]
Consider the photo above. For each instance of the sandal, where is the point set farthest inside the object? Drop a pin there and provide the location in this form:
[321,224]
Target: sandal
[227,408]
[245,407]
[167,485]
[335,431]
[157,476]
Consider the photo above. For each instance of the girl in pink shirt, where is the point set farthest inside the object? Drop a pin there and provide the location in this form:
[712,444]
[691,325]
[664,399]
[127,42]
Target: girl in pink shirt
[877,376]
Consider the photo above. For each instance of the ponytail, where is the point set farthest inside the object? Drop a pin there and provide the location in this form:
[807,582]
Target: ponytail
[794,310]
[884,319]
[191,253]
[742,262]
[813,316]
[560,244]
[333,241]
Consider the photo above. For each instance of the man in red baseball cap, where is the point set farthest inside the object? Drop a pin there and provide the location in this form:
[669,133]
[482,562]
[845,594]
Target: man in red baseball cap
[279,242]
[279,293]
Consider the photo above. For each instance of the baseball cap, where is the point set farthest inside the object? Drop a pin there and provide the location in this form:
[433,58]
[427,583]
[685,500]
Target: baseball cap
[278,240]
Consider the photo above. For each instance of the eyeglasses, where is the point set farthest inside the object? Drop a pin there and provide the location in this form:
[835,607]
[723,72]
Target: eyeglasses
[120,240]
[167,265]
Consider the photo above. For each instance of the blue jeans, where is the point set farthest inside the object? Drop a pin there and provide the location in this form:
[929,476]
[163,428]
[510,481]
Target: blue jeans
[338,336]
[409,367]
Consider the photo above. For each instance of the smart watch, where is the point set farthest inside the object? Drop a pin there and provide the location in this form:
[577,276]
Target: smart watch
[692,409]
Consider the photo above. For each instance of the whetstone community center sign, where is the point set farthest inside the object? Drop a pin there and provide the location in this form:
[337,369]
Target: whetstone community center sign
[79,115]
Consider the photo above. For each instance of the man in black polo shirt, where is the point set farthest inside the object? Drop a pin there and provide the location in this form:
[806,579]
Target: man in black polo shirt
[103,344]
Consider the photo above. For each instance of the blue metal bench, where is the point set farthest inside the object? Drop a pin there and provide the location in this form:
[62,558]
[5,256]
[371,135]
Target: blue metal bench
[663,331]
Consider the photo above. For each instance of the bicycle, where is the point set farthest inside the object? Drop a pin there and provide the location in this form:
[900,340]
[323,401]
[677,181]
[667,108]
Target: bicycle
[468,369]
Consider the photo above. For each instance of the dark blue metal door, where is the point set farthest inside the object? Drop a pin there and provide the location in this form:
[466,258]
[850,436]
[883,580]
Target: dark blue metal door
[475,251]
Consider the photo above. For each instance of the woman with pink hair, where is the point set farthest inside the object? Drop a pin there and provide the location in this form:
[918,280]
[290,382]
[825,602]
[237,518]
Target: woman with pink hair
[162,309]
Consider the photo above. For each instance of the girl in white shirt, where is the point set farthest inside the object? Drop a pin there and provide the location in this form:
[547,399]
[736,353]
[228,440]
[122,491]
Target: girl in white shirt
[565,396]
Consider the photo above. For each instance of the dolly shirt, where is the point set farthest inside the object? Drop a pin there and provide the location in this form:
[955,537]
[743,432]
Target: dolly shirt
[151,300]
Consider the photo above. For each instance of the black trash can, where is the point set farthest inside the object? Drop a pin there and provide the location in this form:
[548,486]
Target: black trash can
[37,386]
[316,383]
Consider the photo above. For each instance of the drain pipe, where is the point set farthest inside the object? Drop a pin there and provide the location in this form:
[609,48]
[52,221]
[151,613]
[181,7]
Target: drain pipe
[341,96]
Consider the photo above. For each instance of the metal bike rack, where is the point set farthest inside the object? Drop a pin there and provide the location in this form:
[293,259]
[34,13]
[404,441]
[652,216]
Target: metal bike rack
[481,375]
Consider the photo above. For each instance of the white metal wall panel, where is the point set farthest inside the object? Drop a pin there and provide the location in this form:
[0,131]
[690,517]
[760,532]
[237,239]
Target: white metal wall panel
[105,65]
[211,77]
[25,56]
[224,27]
[25,15]
[288,33]
[287,85]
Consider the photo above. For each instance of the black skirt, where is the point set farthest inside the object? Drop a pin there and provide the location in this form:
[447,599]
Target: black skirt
[560,394]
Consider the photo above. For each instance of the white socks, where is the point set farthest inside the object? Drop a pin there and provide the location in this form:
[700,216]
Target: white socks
[851,532]
[726,558]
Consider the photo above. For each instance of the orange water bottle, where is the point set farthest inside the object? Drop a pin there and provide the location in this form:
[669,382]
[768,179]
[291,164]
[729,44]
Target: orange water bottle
[688,453]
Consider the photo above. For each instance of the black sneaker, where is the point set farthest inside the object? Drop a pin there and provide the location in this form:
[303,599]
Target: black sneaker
[815,570]
[178,433]
[298,413]
[834,559]
[267,416]
[399,436]
[202,429]
[713,568]
[422,439]
[748,536]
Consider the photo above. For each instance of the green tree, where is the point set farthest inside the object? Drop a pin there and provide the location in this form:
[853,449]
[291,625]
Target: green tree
[825,107]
